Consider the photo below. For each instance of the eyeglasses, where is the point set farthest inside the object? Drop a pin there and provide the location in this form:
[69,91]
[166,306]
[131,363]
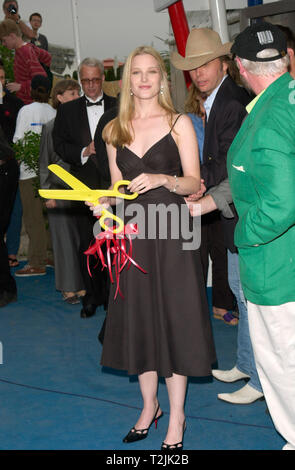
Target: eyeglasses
[87,81]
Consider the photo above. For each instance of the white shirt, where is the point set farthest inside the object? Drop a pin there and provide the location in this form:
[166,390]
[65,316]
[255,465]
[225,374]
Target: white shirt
[94,114]
[31,117]
[210,100]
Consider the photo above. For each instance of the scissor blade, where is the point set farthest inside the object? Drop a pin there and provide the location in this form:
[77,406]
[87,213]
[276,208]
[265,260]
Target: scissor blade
[67,177]
[69,194]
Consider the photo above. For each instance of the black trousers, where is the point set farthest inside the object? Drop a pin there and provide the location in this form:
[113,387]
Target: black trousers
[9,174]
[213,245]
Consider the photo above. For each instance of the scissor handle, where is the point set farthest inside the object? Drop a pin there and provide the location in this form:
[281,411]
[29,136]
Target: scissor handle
[105,214]
[122,195]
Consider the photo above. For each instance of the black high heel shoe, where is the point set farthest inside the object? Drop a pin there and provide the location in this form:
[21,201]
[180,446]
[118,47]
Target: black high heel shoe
[178,447]
[139,434]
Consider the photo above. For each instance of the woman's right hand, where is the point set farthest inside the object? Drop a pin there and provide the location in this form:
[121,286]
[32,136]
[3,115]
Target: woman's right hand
[104,203]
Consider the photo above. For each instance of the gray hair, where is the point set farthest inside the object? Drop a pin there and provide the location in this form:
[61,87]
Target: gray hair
[272,68]
[91,62]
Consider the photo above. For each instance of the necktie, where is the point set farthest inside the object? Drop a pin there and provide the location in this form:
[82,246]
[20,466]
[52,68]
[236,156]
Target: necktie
[97,103]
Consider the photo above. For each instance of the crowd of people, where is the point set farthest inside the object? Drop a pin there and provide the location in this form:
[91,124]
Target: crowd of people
[230,154]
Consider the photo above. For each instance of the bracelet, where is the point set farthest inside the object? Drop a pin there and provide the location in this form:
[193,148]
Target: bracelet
[176,185]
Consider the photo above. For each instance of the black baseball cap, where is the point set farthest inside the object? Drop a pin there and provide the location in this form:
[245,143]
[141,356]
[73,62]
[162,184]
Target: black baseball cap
[257,38]
[40,81]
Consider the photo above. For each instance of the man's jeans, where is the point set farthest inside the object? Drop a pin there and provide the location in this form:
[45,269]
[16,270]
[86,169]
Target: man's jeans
[245,357]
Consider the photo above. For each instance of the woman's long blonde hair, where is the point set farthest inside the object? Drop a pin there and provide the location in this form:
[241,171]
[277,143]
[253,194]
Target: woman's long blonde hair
[119,132]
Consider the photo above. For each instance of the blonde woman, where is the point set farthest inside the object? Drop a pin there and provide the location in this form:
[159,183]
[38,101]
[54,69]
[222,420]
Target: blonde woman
[161,327]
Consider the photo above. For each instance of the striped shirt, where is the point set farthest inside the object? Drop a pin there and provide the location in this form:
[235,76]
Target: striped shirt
[26,65]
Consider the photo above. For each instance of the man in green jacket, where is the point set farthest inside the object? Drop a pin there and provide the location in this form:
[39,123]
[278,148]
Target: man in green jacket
[261,169]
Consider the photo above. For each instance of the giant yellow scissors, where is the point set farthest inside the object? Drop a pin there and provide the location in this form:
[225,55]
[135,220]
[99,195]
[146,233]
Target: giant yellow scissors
[81,192]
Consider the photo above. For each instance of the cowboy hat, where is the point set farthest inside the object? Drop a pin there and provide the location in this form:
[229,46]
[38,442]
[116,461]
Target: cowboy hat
[203,45]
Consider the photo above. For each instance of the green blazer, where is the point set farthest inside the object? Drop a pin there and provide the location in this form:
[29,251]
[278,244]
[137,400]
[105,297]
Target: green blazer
[261,169]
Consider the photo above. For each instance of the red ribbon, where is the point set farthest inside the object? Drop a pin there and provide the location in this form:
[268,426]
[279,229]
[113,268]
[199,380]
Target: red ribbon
[116,247]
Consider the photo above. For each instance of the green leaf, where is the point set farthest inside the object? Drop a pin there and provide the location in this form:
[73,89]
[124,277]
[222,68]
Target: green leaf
[27,150]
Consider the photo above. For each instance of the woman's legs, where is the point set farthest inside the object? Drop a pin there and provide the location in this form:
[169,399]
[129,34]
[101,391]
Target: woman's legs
[176,386]
[148,383]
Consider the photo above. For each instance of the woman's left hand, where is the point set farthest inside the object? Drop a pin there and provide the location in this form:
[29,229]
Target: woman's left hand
[145,182]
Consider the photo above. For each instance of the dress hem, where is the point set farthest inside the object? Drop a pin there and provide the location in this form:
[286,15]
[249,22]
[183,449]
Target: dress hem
[159,373]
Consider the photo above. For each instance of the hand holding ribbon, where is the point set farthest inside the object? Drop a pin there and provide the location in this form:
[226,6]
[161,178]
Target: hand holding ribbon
[114,237]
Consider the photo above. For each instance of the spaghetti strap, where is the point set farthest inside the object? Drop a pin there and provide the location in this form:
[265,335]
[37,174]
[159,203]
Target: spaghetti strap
[175,123]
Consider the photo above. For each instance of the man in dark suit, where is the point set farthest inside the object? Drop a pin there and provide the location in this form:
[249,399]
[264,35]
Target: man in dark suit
[207,61]
[8,185]
[73,137]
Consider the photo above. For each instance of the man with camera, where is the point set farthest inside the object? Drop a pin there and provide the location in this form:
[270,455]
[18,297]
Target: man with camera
[10,9]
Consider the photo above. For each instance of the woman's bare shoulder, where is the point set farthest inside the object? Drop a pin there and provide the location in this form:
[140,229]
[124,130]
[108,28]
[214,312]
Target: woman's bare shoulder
[181,122]
[182,118]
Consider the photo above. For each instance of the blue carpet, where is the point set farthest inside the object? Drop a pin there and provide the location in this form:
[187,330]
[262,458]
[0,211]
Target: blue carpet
[56,396]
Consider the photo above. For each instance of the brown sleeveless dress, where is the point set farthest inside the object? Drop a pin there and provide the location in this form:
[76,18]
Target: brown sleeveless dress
[163,322]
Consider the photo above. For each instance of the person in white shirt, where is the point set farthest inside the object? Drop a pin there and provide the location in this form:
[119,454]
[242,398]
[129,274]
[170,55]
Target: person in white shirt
[31,118]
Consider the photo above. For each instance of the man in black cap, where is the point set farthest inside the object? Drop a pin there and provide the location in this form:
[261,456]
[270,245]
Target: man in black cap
[261,169]
[8,187]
